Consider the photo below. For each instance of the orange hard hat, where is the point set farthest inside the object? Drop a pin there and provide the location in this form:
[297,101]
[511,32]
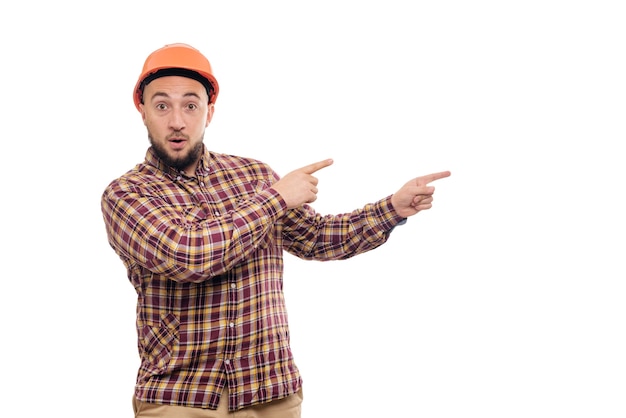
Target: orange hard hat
[176,59]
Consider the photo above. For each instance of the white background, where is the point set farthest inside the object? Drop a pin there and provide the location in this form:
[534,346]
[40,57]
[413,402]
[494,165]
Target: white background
[504,300]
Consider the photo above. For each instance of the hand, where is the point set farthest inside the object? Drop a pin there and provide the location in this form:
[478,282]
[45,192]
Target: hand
[416,195]
[299,186]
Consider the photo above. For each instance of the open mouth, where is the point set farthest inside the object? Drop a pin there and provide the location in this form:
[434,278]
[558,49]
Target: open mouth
[177,144]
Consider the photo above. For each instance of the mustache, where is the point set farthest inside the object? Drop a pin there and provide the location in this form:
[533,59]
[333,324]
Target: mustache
[177,135]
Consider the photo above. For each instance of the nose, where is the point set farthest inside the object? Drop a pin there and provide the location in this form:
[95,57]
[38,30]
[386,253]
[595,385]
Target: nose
[176,121]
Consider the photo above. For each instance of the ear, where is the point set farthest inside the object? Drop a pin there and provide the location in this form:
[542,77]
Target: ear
[143,113]
[209,114]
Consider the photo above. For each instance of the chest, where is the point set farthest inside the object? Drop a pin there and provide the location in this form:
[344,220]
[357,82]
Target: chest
[212,196]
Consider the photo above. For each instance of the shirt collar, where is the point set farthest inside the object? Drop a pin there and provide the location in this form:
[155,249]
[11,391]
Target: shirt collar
[204,167]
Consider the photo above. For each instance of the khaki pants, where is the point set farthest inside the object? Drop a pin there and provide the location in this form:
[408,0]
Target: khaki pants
[288,407]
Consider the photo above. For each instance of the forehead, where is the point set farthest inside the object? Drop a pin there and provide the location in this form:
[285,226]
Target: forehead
[175,85]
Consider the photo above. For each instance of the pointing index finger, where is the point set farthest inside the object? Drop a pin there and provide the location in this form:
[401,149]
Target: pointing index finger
[432,177]
[312,168]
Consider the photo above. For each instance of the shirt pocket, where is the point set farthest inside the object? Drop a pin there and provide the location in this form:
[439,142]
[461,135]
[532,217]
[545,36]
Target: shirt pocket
[250,188]
[192,215]
[195,213]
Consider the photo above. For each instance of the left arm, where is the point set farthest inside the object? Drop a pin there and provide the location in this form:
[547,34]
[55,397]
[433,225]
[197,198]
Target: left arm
[309,235]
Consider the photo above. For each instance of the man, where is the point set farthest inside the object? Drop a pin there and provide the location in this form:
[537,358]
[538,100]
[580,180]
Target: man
[202,236]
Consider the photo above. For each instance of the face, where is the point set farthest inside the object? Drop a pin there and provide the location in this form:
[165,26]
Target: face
[176,113]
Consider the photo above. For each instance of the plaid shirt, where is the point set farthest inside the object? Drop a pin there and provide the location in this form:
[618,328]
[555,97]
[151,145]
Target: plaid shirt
[204,254]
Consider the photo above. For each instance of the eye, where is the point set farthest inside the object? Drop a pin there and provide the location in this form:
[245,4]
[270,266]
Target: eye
[161,106]
[192,106]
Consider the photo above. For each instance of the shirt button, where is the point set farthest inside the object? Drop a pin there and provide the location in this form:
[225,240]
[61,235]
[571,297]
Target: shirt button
[232,324]
[217,213]
[227,361]
[201,183]
[233,285]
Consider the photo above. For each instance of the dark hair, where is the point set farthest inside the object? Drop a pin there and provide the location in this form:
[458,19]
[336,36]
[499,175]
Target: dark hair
[182,72]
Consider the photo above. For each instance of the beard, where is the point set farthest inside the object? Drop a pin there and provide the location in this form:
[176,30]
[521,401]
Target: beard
[181,162]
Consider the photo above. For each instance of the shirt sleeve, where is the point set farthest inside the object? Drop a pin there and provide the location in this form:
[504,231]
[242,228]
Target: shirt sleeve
[144,228]
[310,235]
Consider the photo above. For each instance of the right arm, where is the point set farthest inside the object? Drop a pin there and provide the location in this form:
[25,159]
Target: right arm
[144,228]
